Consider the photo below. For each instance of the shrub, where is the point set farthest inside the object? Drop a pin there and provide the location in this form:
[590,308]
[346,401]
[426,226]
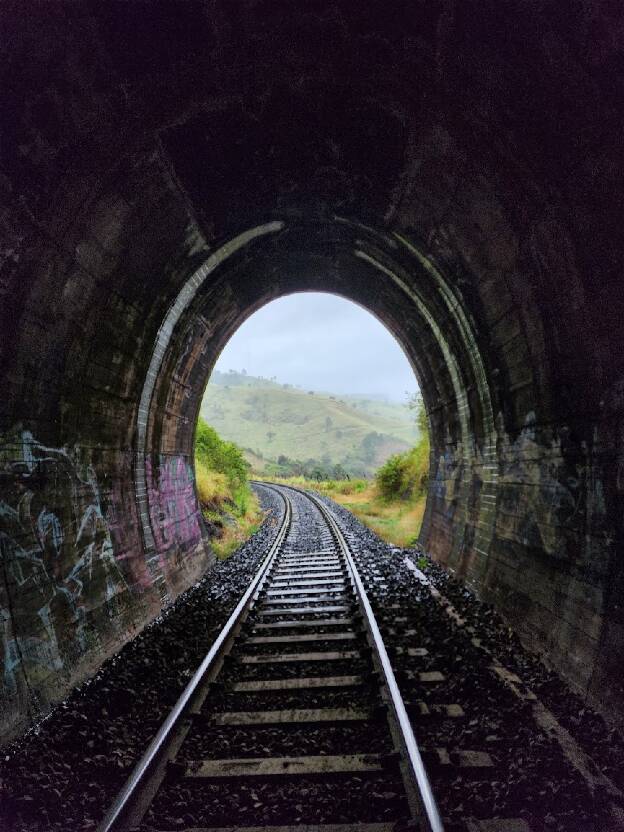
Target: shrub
[390,476]
[217,455]
[405,475]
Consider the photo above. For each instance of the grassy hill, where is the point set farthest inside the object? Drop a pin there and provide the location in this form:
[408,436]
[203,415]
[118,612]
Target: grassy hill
[277,424]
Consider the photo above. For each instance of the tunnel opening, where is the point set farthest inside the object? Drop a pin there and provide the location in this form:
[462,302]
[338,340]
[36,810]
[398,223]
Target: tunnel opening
[325,395]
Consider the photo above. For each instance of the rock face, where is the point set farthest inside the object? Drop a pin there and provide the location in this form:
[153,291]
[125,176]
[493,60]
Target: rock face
[168,168]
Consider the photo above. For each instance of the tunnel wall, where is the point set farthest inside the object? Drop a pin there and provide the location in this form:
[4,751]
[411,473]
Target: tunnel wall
[79,326]
[456,168]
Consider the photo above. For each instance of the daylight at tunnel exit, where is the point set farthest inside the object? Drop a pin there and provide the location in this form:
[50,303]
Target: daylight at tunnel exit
[312,423]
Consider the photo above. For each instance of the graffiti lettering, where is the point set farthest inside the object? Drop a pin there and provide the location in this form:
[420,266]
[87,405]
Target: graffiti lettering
[57,557]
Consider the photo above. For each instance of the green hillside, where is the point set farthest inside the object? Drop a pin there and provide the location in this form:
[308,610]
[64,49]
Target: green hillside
[279,425]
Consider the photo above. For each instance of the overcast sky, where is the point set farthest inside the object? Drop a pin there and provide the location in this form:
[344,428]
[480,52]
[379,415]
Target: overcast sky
[321,342]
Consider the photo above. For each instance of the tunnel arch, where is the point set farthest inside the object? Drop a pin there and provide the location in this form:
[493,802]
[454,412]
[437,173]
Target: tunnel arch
[472,431]
[470,151]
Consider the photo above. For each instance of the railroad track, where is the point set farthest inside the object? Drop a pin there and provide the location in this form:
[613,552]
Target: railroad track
[294,720]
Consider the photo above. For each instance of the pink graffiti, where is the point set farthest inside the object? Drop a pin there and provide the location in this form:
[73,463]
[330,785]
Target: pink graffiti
[172,503]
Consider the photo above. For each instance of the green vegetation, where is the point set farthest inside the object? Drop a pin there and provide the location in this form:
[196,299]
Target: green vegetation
[286,432]
[370,456]
[229,506]
[404,476]
[393,504]
[394,520]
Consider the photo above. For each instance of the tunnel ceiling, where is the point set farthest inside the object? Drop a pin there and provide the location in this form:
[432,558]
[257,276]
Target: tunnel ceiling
[454,167]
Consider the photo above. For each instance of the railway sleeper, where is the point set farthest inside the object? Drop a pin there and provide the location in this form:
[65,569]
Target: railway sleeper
[303,637]
[306,827]
[326,596]
[497,825]
[295,624]
[294,582]
[262,685]
[285,766]
[325,586]
[294,716]
[280,658]
[307,579]
[312,571]
[311,566]
[291,554]
[459,758]
[307,610]
[419,709]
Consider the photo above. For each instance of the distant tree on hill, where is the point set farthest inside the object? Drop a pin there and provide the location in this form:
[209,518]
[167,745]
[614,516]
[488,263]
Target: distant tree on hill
[369,445]
[328,423]
[417,406]
[270,435]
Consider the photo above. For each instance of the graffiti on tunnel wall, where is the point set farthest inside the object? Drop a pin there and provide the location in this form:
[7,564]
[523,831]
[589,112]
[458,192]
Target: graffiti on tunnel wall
[57,561]
[173,508]
[548,493]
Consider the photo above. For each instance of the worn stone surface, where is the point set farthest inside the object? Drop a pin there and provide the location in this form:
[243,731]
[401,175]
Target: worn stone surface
[454,167]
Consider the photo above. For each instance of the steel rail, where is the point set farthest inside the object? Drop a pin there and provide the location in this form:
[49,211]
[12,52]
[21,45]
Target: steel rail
[130,789]
[425,792]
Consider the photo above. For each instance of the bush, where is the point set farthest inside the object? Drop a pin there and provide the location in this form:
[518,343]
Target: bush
[390,476]
[404,476]
[215,454]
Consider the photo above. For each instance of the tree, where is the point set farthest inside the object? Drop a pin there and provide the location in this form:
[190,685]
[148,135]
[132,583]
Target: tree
[328,424]
[270,435]
[369,446]
[417,406]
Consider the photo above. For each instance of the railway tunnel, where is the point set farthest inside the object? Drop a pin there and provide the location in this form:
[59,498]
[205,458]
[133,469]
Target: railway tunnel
[167,169]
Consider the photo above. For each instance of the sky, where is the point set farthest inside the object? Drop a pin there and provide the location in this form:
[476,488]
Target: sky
[321,342]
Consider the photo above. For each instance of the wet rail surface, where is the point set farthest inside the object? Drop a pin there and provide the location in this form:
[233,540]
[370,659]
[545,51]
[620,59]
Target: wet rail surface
[294,719]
